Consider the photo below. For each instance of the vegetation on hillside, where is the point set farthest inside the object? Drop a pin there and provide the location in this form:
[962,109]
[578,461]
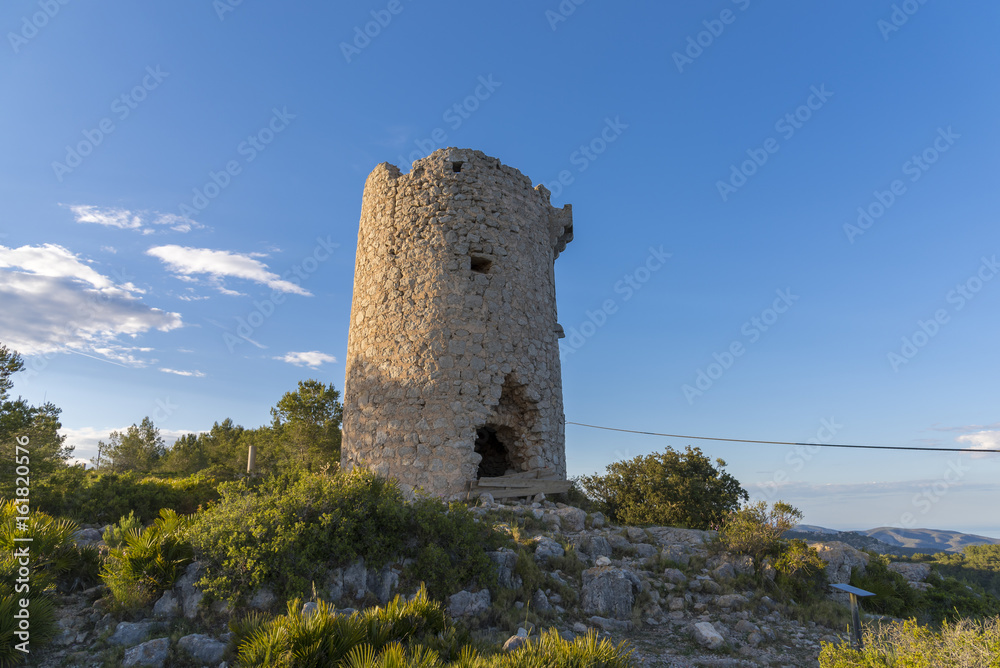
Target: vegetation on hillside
[972,644]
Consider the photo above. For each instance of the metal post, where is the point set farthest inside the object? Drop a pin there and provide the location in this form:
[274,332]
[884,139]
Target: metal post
[251,458]
[855,623]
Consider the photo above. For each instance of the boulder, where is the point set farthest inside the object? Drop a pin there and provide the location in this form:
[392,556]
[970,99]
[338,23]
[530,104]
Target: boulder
[572,519]
[595,546]
[382,583]
[506,562]
[190,596]
[85,537]
[546,548]
[516,641]
[724,572]
[737,601]
[167,606]
[707,636]
[152,653]
[674,575]
[205,649]
[468,604]
[540,602]
[355,579]
[840,558]
[130,633]
[911,571]
[635,534]
[597,520]
[610,591]
[645,550]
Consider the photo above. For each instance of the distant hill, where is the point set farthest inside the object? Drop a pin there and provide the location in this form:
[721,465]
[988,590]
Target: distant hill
[890,540]
[928,540]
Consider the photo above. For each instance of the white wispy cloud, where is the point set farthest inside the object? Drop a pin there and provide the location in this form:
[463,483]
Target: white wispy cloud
[216,264]
[54,301]
[312,359]
[982,440]
[192,374]
[146,222]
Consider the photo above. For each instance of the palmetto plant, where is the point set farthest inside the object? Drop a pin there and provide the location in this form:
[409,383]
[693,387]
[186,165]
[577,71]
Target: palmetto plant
[148,561]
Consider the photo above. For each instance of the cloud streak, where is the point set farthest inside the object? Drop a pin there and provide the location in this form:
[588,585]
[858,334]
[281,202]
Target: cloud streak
[189,262]
[146,222]
[312,359]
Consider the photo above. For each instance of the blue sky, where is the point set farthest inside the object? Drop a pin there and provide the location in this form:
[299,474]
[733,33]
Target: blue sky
[821,175]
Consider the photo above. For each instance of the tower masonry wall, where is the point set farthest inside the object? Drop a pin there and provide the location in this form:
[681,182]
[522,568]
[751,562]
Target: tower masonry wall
[452,359]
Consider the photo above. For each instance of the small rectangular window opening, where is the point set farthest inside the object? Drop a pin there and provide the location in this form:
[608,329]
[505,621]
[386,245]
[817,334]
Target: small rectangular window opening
[456,166]
[480,265]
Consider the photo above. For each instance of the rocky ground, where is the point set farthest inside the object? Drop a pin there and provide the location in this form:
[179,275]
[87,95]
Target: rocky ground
[658,587]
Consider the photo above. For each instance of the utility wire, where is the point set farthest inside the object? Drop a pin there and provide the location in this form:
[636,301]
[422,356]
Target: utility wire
[821,445]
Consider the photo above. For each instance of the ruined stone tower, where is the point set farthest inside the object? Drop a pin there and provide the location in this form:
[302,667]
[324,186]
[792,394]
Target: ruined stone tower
[452,356]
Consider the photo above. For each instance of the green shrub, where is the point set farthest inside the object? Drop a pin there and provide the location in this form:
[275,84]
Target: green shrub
[756,531]
[89,496]
[114,534]
[907,644]
[288,531]
[893,594]
[402,634]
[670,488]
[55,562]
[148,562]
[801,572]
[325,639]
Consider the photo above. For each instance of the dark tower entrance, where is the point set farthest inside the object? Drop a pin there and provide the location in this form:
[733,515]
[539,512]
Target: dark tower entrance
[496,457]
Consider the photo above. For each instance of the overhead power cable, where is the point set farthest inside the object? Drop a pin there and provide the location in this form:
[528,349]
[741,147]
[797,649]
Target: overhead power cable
[821,445]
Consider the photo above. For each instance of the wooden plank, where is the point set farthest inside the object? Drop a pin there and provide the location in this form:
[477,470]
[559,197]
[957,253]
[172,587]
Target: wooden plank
[513,482]
[554,487]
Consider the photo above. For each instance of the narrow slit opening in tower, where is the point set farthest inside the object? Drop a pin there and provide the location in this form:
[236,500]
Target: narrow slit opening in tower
[495,455]
[480,265]
[456,166]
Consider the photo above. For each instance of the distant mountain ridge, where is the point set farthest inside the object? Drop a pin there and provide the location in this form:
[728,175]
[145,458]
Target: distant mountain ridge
[892,540]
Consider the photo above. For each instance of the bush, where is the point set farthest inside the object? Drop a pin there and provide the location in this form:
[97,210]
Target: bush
[288,531]
[669,488]
[114,534]
[966,643]
[893,594]
[105,497]
[757,532]
[325,639]
[55,562]
[801,572]
[148,561]
[403,633]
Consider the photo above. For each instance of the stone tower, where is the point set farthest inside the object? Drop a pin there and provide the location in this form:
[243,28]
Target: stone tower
[452,355]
